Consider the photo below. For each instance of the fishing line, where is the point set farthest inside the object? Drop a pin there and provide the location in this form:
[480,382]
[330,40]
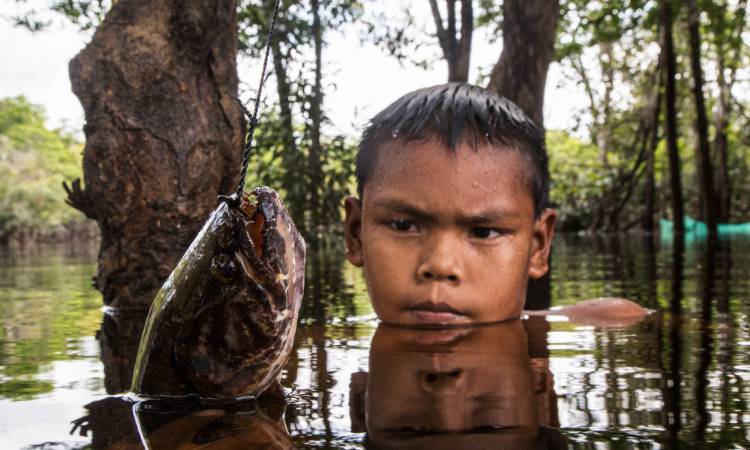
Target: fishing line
[252,119]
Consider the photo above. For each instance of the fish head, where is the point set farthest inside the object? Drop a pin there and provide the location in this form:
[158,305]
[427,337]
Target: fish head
[242,326]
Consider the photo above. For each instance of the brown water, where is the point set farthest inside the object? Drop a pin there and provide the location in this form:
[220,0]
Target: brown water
[680,379]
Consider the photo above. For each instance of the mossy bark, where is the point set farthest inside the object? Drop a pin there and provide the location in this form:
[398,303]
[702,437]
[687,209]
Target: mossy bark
[163,135]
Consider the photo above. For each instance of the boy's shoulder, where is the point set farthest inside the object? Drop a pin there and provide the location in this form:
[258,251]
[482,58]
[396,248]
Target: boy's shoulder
[602,311]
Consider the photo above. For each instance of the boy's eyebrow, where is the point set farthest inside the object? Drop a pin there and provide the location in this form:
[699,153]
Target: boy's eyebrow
[403,208]
[487,216]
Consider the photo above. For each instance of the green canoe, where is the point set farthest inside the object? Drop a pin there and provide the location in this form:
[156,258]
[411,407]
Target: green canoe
[699,230]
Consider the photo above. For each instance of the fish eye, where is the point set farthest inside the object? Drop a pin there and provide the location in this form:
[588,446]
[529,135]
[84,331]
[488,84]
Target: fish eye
[223,268]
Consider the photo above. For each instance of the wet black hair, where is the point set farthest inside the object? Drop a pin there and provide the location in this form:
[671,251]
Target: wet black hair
[456,113]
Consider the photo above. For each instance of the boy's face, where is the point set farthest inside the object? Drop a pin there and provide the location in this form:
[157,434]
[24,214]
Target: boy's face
[447,238]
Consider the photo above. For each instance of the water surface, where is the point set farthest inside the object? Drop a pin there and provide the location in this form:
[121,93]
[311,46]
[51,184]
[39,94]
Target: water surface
[679,379]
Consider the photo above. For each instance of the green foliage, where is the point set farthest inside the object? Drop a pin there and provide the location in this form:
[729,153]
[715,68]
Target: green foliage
[34,161]
[291,175]
[311,182]
[576,179]
[85,14]
[608,50]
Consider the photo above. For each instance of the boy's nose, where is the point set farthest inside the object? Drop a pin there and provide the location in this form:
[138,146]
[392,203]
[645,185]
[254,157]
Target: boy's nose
[440,262]
[441,383]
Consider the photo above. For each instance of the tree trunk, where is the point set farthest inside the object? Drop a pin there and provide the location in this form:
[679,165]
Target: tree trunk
[604,131]
[520,74]
[670,128]
[456,51]
[701,120]
[650,188]
[529,29]
[721,145]
[291,157]
[316,176]
[163,135]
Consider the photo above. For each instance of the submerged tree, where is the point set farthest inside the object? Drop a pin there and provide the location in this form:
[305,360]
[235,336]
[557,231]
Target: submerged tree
[163,136]
[670,68]
[529,30]
[703,150]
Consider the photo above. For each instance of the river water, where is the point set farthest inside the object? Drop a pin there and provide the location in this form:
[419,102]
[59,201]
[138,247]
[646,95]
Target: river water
[679,379]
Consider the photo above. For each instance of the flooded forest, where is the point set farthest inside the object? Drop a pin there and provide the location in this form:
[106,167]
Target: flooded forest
[645,115]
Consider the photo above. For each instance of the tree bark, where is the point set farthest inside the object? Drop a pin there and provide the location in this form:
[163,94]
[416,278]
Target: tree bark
[163,135]
[456,50]
[670,128]
[529,28]
[701,121]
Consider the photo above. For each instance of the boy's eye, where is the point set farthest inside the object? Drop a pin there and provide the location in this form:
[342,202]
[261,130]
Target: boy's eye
[402,225]
[484,232]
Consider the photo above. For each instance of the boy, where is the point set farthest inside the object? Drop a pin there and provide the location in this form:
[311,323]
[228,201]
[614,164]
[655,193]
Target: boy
[452,215]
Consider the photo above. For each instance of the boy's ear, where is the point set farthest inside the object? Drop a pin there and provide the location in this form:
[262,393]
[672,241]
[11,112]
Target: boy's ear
[352,230]
[544,232]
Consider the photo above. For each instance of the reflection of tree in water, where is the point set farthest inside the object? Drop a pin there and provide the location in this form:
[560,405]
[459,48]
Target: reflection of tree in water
[683,363]
[327,294]
[673,394]
[612,266]
[118,338]
[313,372]
[706,342]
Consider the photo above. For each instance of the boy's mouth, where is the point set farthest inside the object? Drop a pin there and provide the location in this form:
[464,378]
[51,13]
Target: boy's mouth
[436,313]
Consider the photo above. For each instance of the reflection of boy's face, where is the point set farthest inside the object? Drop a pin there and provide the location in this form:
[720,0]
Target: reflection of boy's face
[451,388]
[448,238]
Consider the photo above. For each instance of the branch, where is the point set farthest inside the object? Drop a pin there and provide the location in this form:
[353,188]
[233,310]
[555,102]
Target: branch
[451,34]
[578,67]
[645,129]
[467,26]
[442,38]
[79,198]
[736,43]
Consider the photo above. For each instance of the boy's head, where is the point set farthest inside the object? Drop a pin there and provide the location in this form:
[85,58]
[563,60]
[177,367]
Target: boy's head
[452,218]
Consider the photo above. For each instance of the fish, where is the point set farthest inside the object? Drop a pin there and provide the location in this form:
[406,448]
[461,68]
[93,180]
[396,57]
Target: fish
[223,323]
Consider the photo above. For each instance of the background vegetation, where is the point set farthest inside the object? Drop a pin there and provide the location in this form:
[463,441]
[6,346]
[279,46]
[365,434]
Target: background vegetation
[34,161]
[610,172]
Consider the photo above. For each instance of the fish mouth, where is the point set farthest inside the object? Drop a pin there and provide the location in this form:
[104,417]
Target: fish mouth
[256,257]
[270,249]
[255,221]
